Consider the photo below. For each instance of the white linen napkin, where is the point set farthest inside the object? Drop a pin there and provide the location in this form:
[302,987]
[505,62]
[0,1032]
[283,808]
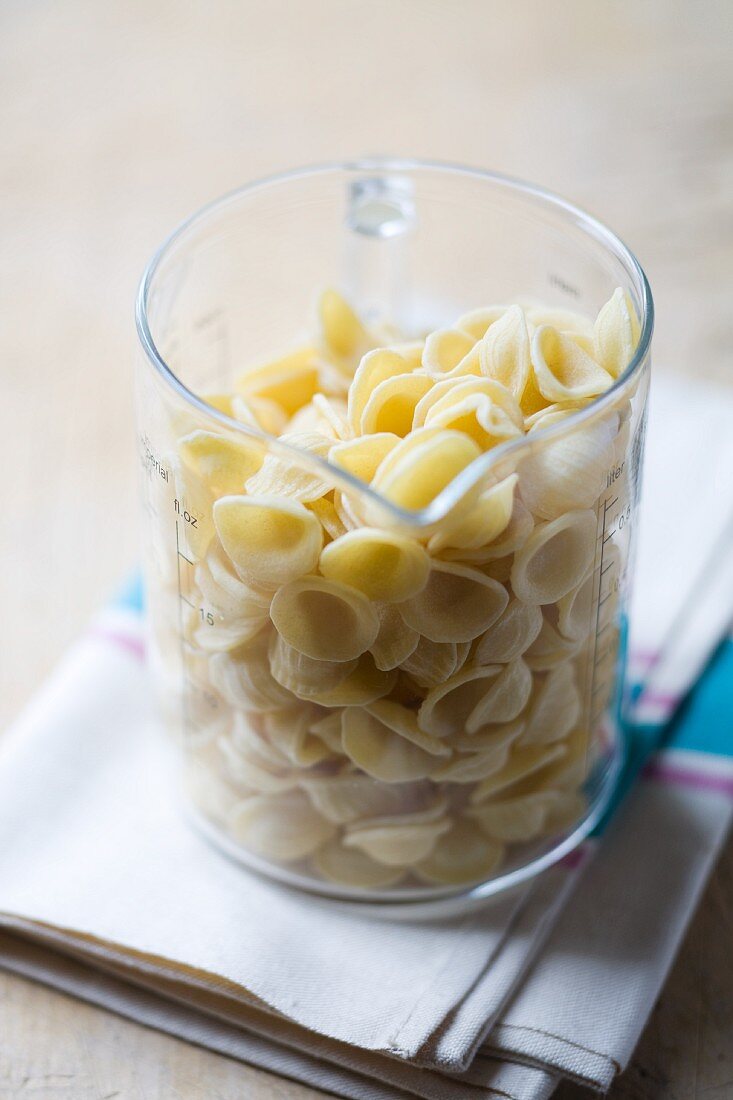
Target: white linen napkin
[104,892]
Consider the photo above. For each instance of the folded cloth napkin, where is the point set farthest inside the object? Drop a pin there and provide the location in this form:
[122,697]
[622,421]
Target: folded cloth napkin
[104,893]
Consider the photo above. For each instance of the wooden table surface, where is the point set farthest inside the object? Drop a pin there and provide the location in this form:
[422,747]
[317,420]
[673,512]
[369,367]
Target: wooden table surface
[119,118]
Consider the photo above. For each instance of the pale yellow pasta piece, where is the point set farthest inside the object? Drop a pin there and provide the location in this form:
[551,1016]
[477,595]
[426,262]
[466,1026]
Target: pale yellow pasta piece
[350,867]
[341,329]
[472,767]
[323,415]
[270,540]
[417,470]
[504,352]
[222,402]
[375,368]
[445,349]
[282,828]
[554,708]
[460,857]
[616,333]
[344,508]
[515,819]
[362,456]
[395,642]
[456,605]
[475,415]
[290,382]
[569,472]
[563,371]
[222,463]
[477,322]
[209,792]
[484,522]
[475,697]
[244,679]
[515,535]
[399,841]
[328,727]
[522,763]
[303,675]
[503,415]
[324,619]
[223,635]
[565,320]
[550,648]
[365,684]
[432,663]
[487,739]
[403,722]
[555,558]
[553,414]
[353,796]
[575,610]
[511,634]
[286,477]
[259,412]
[288,730]
[225,592]
[391,405]
[331,522]
[381,753]
[382,564]
[249,766]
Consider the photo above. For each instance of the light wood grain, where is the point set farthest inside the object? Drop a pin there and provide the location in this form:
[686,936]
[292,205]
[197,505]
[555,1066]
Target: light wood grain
[117,119]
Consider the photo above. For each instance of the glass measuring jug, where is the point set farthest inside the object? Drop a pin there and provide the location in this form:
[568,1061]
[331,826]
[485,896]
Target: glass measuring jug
[475,761]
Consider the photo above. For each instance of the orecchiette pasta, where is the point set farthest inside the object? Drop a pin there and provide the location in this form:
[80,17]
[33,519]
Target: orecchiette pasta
[378,701]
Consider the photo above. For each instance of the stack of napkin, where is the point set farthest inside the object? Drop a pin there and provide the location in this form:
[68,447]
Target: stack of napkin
[107,894]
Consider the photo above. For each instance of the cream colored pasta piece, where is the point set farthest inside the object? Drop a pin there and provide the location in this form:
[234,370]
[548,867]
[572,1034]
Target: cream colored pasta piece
[565,812]
[398,841]
[362,456]
[244,679]
[515,819]
[288,730]
[553,414]
[330,520]
[391,405]
[403,722]
[550,648]
[487,739]
[285,477]
[365,684]
[327,726]
[221,636]
[504,352]
[568,771]
[484,522]
[290,382]
[461,856]
[378,751]
[382,564]
[456,605]
[474,414]
[350,867]
[511,634]
[575,610]
[342,331]
[522,763]
[616,333]
[499,569]
[563,371]
[282,828]
[325,416]
[432,663]
[303,675]
[419,468]
[352,796]
[555,558]
[503,418]
[570,471]
[554,708]
[475,697]
[376,367]
[445,349]
[223,464]
[259,412]
[213,796]
[324,619]
[270,540]
[395,642]
[344,508]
